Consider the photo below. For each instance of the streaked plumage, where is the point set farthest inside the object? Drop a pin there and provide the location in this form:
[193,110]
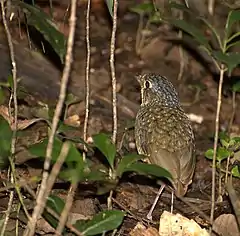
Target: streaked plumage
[163,131]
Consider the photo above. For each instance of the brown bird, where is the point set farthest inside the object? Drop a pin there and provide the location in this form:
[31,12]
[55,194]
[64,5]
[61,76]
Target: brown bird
[163,131]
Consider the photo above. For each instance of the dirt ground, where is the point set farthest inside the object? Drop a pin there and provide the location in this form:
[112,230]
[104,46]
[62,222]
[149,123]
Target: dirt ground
[197,88]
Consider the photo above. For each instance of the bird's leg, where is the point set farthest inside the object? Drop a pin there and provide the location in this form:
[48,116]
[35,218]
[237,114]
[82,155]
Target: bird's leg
[149,215]
[172,202]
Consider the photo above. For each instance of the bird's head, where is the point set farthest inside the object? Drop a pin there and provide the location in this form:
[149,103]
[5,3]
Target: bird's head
[157,89]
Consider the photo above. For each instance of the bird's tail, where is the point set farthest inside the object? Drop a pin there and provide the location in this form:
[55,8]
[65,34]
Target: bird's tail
[180,189]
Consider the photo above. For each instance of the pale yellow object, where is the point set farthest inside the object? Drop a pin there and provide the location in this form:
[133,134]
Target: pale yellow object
[178,225]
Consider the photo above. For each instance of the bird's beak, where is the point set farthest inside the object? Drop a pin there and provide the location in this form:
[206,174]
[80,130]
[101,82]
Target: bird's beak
[139,78]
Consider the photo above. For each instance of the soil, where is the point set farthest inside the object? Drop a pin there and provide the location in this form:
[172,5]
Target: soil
[197,88]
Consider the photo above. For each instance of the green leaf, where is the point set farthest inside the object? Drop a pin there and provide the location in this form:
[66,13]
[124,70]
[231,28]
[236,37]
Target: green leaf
[236,86]
[232,43]
[233,17]
[75,139]
[104,144]
[178,6]
[71,99]
[56,204]
[4,159]
[155,17]
[96,171]
[224,139]
[224,143]
[209,154]
[96,175]
[10,81]
[143,8]
[70,174]
[231,59]
[42,22]
[73,155]
[5,134]
[105,186]
[224,136]
[63,128]
[233,37]
[5,143]
[222,153]
[192,30]
[74,172]
[214,32]
[148,169]
[126,161]
[100,223]
[236,172]
[231,143]
[235,143]
[110,6]
[236,139]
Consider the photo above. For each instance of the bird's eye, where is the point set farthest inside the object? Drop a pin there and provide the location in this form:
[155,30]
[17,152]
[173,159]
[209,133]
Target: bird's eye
[147,84]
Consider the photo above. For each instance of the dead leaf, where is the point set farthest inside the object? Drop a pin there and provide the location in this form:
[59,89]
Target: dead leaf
[21,124]
[178,225]
[225,222]
[141,230]
[5,114]
[73,121]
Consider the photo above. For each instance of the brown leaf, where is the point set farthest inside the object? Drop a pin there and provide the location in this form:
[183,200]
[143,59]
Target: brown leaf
[178,225]
[141,230]
[73,121]
[23,124]
[225,222]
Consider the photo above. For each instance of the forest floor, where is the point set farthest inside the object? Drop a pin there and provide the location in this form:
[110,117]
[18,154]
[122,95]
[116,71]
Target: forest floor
[197,89]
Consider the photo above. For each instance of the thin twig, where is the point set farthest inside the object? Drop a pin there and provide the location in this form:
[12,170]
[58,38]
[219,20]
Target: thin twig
[87,82]
[226,173]
[216,142]
[41,199]
[139,35]
[18,189]
[20,184]
[112,67]
[7,215]
[18,219]
[73,187]
[233,112]
[14,95]
[109,200]
[195,208]
[181,52]
[14,75]
[52,177]
[57,167]
[69,201]
[53,213]
[219,198]
[114,86]
[211,5]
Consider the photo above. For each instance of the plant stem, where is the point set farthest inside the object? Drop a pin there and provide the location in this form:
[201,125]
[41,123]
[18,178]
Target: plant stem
[216,141]
[112,67]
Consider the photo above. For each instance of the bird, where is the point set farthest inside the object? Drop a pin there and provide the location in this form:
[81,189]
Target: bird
[163,132]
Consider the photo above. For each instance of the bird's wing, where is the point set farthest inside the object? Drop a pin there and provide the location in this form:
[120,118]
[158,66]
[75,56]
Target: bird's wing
[142,132]
[171,146]
[187,164]
[165,136]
